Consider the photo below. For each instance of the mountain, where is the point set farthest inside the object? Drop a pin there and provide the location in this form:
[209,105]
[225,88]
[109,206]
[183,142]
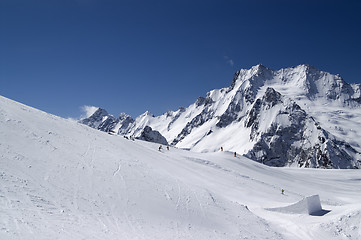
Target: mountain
[149,135]
[298,116]
[63,180]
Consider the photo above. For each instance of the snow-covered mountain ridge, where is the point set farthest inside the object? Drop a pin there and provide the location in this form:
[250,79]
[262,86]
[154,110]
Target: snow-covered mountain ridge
[298,116]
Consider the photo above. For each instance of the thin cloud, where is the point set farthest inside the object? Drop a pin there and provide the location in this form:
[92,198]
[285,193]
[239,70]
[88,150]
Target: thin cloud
[229,61]
[88,111]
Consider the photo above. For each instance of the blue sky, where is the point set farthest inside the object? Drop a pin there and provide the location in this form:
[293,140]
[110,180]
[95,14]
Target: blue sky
[137,55]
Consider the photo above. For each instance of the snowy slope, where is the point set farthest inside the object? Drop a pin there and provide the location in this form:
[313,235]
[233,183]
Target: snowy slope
[62,180]
[313,122]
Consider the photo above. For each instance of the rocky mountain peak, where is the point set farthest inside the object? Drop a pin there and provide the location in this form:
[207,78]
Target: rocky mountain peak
[124,116]
[272,97]
[100,112]
[147,113]
[97,118]
[274,117]
[150,135]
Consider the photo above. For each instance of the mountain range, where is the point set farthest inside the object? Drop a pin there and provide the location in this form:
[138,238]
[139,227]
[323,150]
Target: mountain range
[60,179]
[299,116]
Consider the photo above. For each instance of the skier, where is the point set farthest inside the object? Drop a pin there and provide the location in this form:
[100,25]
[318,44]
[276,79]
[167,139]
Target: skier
[283,191]
[235,154]
[160,148]
[168,148]
[221,149]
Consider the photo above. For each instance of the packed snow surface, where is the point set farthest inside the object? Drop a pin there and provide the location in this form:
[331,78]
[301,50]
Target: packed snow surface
[63,180]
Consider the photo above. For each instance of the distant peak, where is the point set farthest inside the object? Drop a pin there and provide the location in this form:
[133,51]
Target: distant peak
[307,67]
[147,113]
[123,116]
[260,70]
[247,74]
[260,67]
[100,112]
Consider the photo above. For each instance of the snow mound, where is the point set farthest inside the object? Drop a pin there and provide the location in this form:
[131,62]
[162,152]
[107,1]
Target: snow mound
[309,205]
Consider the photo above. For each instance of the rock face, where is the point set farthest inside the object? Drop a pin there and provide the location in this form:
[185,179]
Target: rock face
[124,123]
[293,137]
[297,116]
[101,120]
[149,135]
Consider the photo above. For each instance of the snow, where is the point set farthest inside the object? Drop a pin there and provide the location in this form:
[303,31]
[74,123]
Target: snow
[310,205]
[63,180]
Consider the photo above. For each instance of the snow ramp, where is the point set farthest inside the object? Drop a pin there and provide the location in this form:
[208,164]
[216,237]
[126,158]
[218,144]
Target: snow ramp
[309,205]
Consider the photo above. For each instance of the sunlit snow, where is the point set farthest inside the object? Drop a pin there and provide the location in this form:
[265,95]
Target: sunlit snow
[63,180]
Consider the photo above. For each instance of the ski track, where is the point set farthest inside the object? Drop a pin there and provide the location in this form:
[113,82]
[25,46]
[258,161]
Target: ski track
[199,204]
[179,195]
[117,170]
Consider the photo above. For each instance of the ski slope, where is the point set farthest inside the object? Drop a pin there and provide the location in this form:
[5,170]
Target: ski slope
[63,180]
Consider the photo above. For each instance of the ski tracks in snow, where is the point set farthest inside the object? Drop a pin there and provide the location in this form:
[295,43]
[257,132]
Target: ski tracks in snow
[179,195]
[238,175]
[89,151]
[118,169]
[199,204]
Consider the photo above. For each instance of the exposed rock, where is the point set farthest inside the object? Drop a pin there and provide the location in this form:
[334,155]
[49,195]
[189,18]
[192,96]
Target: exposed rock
[149,135]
